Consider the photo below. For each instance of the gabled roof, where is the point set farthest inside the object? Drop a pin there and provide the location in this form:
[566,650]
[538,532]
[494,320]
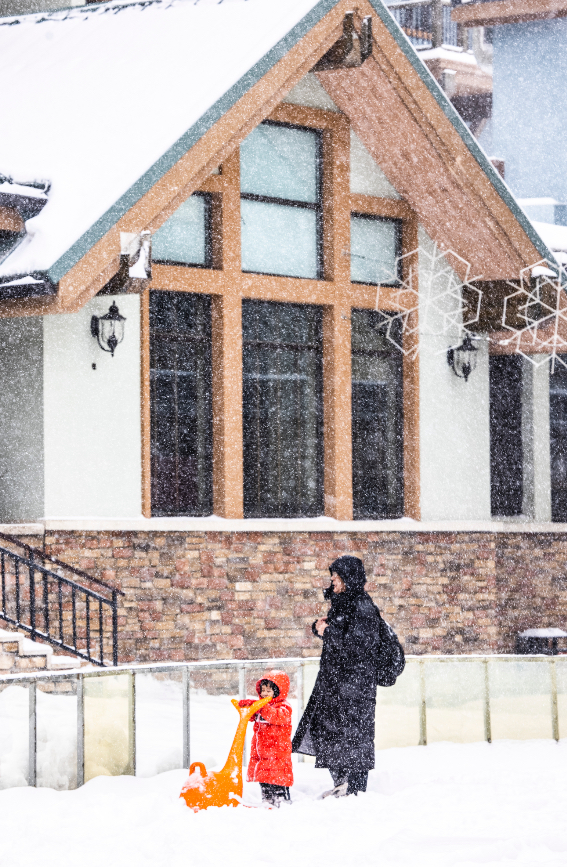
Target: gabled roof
[124,107]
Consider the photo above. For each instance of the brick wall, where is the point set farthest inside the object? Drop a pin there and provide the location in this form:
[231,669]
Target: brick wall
[244,595]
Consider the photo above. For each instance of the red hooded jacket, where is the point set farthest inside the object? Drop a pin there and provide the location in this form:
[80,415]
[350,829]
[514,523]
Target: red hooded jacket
[270,753]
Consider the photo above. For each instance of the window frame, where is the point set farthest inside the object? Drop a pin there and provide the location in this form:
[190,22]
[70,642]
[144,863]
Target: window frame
[399,226]
[318,349]
[317,207]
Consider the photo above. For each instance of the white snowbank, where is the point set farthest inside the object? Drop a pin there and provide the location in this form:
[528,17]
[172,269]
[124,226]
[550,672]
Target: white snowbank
[445,805]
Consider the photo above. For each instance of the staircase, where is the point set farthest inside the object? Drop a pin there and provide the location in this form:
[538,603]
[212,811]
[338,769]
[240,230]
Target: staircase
[41,597]
[19,654]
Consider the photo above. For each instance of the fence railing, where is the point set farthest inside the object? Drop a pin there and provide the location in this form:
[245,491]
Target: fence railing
[49,604]
[63,729]
[426,23]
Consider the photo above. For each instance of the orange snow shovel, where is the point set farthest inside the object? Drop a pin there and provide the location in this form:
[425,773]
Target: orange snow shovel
[221,788]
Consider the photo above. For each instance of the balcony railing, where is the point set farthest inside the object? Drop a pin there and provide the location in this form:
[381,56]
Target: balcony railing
[426,23]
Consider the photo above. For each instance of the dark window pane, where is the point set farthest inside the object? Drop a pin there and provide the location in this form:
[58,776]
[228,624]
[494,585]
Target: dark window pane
[506,450]
[185,236]
[377,419]
[181,403]
[282,410]
[558,442]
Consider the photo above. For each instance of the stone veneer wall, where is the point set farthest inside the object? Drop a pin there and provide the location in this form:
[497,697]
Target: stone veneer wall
[207,595]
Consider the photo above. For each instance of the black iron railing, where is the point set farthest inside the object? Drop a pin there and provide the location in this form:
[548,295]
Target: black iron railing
[53,607]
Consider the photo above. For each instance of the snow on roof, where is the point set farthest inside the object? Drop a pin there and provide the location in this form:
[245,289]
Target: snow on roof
[551,632]
[98,94]
[555,237]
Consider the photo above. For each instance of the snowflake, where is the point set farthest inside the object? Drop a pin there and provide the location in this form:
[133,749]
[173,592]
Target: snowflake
[540,303]
[434,304]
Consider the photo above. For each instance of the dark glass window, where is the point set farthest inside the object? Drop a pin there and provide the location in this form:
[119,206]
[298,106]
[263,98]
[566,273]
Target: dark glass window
[280,182]
[181,403]
[558,442]
[506,448]
[375,248]
[377,419]
[282,409]
[185,238]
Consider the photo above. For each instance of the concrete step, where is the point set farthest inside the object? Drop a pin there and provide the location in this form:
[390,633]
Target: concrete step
[20,653]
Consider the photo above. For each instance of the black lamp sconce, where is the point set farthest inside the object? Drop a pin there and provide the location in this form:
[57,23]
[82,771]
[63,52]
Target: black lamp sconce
[462,359]
[108,329]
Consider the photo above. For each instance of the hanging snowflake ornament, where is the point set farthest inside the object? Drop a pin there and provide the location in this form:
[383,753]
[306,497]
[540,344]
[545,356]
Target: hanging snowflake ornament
[429,298]
[536,314]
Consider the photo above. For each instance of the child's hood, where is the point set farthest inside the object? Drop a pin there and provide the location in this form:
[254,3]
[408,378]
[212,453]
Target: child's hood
[280,679]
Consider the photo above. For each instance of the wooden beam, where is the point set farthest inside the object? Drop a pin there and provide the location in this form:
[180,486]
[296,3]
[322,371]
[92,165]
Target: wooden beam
[145,400]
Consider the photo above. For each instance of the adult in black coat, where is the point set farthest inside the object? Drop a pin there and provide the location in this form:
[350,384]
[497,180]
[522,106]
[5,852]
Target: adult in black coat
[338,724]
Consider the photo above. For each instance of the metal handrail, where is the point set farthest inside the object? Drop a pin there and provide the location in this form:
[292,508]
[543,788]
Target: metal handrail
[43,556]
[14,608]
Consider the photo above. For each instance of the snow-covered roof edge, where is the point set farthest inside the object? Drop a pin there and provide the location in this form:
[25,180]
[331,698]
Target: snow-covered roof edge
[81,247]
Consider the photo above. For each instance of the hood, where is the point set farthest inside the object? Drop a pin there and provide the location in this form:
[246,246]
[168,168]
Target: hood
[351,570]
[280,679]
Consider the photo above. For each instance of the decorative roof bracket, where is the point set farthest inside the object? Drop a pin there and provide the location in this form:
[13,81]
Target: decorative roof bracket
[351,50]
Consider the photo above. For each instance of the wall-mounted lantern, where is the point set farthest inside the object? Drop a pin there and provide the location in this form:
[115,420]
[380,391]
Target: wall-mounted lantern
[108,329]
[462,359]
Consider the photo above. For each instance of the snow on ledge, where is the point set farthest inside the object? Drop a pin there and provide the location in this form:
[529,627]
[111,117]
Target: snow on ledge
[290,525]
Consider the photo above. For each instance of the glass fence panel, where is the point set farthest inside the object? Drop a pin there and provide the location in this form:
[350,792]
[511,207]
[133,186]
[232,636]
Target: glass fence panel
[14,736]
[159,722]
[212,717]
[56,733]
[561,676]
[310,672]
[520,699]
[398,710]
[454,696]
[109,731]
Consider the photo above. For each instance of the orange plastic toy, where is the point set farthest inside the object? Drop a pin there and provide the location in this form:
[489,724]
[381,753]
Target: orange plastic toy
[221,788]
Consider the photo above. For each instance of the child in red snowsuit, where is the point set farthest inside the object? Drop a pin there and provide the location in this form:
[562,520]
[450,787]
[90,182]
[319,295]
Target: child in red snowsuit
[270,753]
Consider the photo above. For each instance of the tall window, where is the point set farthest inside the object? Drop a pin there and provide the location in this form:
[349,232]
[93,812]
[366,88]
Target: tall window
[181,405]
[280,182]
[506,447]
[375,247]
[558,442]
[185,238]
[377,419]
[282,409]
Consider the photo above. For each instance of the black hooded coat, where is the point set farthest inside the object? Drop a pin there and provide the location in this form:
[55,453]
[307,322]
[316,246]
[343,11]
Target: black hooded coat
[338,723]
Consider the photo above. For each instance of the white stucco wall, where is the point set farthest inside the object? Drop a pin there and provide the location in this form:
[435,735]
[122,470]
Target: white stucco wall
[21,419]
[454,423]
[92,417]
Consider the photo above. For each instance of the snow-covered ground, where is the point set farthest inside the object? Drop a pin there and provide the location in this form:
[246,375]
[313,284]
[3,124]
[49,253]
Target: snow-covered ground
[445,805]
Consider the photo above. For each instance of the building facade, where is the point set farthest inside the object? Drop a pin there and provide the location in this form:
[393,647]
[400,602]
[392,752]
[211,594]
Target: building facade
[279,390]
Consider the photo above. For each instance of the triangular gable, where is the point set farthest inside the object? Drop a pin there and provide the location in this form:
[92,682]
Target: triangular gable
[308,29]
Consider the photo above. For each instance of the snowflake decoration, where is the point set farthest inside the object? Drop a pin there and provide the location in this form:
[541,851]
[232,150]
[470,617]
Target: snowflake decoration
[540,303]
[434,304]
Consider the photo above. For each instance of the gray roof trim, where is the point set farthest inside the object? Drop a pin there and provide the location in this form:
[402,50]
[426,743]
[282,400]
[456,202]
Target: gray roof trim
[79,249]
